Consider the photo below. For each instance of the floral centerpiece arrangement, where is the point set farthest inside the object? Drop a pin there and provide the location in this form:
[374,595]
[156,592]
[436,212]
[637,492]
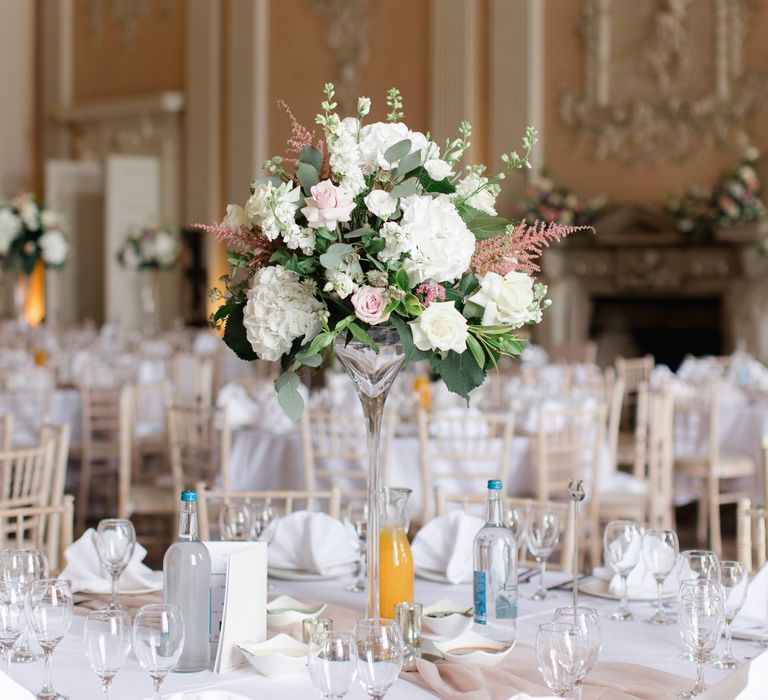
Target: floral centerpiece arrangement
[377,225]
[544,201]
[149,248]
[29,233]
[734,200]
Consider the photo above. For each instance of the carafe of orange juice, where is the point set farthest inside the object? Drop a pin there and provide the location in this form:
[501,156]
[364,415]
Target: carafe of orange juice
[395,559]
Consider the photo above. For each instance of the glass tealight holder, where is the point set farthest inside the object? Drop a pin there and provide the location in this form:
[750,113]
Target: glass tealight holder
[408,616]
[314,625]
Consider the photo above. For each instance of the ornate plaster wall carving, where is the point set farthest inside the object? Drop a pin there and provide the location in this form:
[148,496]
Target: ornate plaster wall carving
[126,14]
[663,79]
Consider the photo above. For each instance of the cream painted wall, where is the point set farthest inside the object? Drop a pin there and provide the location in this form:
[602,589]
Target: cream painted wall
[17,79]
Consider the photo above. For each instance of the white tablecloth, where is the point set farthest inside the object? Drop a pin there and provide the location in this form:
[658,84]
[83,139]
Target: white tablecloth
[634,642]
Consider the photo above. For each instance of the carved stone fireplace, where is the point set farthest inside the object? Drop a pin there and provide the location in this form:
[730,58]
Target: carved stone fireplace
[640,291]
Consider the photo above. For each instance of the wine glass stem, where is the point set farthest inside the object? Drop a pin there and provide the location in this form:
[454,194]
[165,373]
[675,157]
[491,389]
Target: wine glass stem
[115,579]
[728,641]
[48,686]
[106,686]
[624,596]
[659,602]
[699,687]
[158,682]
[8,653]
[577,691]
[543,566]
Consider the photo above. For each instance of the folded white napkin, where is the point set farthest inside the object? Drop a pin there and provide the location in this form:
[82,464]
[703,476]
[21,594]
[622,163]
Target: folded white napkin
[86,573]
[450,423]
[313,542]
[11,690]
[445,543]
[640,582]
[242,409]
[754,612]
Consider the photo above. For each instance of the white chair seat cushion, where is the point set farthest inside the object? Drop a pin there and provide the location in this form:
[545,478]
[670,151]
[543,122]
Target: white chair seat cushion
[729,466]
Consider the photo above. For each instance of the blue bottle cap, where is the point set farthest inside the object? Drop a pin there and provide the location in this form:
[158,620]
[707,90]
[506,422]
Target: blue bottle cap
[189,496]
[494,484]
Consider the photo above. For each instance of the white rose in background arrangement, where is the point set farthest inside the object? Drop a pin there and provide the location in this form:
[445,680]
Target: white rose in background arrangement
[440,327]
[54,248]
[328,206]
[381,203]
[29,213]
[505,300]
[442,245]
[10,227]
[50,219]
[483,200]
[280,308]
[438,169]
[236,218]
[257,206]
[166,248]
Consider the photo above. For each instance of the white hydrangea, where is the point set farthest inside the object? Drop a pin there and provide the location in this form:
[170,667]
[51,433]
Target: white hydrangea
[54,248]
[10,226]
[376,138]
[441,244]
[279,309]
[396,242]
[341,139]
[469,189]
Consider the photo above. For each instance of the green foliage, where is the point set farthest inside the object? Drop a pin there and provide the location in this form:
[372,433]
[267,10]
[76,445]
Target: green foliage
[333,258]
[288,396]
[235,336]
[395,104]
[430,185]
[310,155]
[412,353]
[397,151]
[484,225]
[307,176]
[460,372]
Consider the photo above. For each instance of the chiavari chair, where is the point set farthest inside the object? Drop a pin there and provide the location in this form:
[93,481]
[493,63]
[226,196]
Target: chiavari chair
[751,537]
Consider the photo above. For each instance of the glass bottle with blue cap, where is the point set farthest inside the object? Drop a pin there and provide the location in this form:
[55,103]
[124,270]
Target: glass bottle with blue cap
[495,572]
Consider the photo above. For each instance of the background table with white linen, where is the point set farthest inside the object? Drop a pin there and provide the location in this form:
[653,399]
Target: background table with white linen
[633,642]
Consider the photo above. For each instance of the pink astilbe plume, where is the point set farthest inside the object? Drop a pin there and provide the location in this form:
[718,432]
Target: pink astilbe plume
[519,248]
[300,136]
[242,240]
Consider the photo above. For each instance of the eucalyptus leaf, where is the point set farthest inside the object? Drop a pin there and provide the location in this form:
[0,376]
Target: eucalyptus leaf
[397,151]
[290,399]
[309,154]
[408,163]
[333,257]
[275,182]
[307,175]
[405,189]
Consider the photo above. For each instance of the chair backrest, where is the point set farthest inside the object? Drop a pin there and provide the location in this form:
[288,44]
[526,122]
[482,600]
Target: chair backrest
[25,476]
[39,527]
[27,396]
[765,468]
[474,504]
[580,353]
[192,377]
[634,370]
[336,449]
[58,435]
[209,502]
[697,421]
[467,448]
[6,432]
[751,538]
[199,442]
[660,453]
[568,445]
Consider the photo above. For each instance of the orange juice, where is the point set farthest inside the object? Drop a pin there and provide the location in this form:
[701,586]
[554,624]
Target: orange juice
[395,570]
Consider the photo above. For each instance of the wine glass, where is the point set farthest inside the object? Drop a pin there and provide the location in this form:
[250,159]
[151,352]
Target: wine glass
[235,522]
[378,646]
[49,609]
[331,664]
[542,535]
[261,516]
[21,567]
[697,564]
[733,579]
[700,614]
[586,620]
[115,542]
[517,522]
[660,549]
[158,638]
[357,515]
[560,653]
[107,641]
[622,544]
[12,618]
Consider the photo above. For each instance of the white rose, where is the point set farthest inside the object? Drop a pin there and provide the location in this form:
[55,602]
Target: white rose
[505,300]
[257,206]
[440,242]
[280,308]
[438,169]
[165,248]
[376,138]
[54,248]
[50,219]
[340,282]
[381,203]
[10,226]
[236,218]
[483,199]
[440,327]
[29,213]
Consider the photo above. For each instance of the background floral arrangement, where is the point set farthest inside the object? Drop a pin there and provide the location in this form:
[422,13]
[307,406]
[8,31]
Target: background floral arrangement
[149,248]
[544,201]
[29,233]
[377,225]
[735,199]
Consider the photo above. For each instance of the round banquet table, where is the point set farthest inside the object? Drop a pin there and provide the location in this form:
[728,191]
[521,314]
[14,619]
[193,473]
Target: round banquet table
[633,642]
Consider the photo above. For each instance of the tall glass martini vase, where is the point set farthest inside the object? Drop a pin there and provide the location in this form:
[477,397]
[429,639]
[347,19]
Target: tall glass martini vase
[373,375]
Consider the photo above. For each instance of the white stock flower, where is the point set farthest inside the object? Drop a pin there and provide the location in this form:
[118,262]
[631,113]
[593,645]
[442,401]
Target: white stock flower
[236,218]
[280,308]
[380,203]
[363,106]
[441,244]
[300,238]
[484,199]
[340,282]
[10,227]
[396,242]
[440,327]
[274,210]
[438,169]
[54,248]
[505,300]
[344,151]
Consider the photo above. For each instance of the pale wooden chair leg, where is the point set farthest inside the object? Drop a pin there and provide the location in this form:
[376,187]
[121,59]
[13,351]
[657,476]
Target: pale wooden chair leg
[701,526]
[83,495]
[715,533]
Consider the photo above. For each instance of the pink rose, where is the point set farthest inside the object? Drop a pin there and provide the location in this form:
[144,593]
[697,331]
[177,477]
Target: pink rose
[328,206]
[369,303]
